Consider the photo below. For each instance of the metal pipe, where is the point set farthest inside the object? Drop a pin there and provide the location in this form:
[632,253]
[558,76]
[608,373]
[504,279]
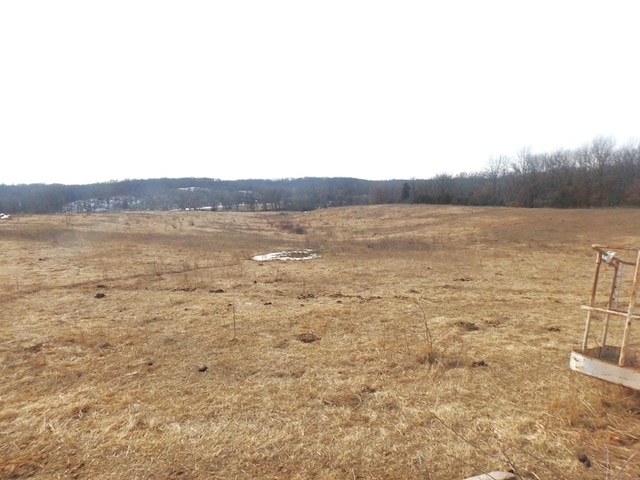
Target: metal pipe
[613,300]
[627,323]
[594,286]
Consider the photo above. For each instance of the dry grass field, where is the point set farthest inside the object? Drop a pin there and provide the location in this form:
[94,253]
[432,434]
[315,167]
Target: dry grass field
[424,343]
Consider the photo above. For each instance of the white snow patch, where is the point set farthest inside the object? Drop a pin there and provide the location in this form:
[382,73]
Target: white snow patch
[305,254]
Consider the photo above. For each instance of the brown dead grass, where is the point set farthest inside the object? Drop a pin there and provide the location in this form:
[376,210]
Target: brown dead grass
[426,342]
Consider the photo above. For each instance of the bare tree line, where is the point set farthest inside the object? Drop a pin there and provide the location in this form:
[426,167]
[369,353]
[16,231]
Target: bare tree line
[598,174]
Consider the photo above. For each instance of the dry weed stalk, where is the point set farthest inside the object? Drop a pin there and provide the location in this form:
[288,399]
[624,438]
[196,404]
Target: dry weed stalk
[503,457]
[233,310]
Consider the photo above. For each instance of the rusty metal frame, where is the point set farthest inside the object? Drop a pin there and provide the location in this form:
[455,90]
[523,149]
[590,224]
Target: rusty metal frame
[599,361]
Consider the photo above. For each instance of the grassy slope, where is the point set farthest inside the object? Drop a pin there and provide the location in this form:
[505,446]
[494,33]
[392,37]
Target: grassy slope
[443,351]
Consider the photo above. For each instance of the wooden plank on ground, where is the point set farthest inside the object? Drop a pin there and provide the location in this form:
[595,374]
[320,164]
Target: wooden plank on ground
[493,476]
[594,367]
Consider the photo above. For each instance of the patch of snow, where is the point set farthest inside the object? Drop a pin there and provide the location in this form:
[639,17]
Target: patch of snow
[305,254]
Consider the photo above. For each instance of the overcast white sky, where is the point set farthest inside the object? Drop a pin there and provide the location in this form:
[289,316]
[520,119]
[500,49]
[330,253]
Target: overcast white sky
[107,90]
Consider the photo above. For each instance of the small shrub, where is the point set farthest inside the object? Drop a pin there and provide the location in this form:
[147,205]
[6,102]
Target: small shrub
[292,228]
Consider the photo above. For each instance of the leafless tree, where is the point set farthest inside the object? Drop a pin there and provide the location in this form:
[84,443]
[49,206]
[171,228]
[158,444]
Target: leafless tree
[496,169]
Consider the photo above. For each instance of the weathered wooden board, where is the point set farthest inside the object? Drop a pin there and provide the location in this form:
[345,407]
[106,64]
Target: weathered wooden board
[610,372]
[493,476]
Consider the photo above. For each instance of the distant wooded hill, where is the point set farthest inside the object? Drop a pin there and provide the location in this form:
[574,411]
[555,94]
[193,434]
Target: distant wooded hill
[596,175]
